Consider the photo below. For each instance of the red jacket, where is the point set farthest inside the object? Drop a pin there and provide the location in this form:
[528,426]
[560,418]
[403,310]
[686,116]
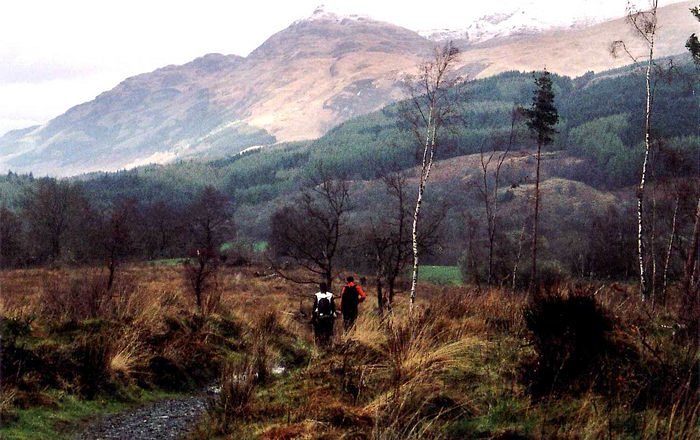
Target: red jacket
[361,293]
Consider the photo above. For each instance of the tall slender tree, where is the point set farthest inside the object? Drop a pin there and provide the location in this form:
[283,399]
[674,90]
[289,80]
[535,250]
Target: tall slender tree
[489,185]
[542,116]
[690,277]
[428,111]
[644,25]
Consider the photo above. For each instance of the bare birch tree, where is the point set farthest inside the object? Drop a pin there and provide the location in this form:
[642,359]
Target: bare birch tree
[491,164]
[669,248]
[389,239]
[644,25]
[518,256]
[432,102]
[691,269]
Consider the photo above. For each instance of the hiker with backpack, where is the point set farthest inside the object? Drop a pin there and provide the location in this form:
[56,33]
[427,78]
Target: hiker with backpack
[323,316]
[350,298]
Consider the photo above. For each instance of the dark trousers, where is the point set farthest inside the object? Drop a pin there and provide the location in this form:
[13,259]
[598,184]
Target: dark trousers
[349,320]
[323,331]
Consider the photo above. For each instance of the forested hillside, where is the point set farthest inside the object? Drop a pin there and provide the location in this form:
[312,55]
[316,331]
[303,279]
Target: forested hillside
[601,122]
[592,164]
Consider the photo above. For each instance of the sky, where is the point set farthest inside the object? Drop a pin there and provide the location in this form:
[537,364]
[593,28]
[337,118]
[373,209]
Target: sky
[57,54]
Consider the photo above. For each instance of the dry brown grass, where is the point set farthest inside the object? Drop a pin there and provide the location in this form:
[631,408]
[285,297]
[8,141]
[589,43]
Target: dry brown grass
[403,375]
[146,326]
[143,292]
[128,355]
[20,291]
[413,354]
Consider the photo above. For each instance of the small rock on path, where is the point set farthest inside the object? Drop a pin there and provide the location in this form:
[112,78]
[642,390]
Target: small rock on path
[165,419]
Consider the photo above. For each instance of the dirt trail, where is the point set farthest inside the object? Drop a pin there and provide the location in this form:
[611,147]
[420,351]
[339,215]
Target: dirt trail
[165,419]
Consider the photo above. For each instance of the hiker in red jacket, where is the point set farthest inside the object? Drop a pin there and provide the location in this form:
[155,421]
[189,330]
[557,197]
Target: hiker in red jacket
[351,296]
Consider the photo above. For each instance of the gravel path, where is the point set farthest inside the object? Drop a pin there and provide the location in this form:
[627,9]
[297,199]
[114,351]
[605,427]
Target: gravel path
[165,419]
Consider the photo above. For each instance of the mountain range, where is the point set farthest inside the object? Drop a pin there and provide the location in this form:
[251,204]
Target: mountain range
[301,82]
[522,21]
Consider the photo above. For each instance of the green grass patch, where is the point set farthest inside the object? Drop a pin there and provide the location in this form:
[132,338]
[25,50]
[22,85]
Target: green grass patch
[260,246]
[168,261]
[63,420]
[227,246]
[444,275]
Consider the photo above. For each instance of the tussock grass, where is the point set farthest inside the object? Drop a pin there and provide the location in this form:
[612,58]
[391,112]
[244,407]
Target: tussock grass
[144,332]
[129,356]
[456,367]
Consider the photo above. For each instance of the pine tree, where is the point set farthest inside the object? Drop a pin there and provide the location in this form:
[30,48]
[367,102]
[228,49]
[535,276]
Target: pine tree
[542,116]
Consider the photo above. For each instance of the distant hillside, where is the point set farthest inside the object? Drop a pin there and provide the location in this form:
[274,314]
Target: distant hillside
[588,173]
[600,129]
[299,84]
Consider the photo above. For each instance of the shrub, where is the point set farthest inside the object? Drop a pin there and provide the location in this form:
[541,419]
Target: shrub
[85,295]
[572,337]
[168,375]
[184,352]
[550,274]
[128,356]
[78,298]
[92,354]
[14,357]
[265,326]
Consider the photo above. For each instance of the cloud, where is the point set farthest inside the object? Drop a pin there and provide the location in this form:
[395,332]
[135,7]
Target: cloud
[37,102]
[13,69]
[9,124]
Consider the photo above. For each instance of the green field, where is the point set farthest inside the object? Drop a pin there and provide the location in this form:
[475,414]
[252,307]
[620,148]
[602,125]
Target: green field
[260,246]
[445,275]
[168,262]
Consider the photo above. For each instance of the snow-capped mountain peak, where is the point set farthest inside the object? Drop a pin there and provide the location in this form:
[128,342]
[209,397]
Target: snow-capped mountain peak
[322,13]
[526,19]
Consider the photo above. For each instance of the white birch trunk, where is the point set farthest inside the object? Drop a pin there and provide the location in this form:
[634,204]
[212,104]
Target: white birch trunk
[517,258]
[670,248]
[691,261]
[428,154]
[643,288]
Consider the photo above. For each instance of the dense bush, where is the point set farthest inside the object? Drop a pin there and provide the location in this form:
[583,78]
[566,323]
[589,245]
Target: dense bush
[574,344]
[14,355]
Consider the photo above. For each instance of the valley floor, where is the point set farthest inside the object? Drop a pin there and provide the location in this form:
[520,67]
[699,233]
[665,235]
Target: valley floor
[467,363]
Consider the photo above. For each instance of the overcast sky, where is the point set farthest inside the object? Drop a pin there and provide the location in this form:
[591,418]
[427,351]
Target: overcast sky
[56,54]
